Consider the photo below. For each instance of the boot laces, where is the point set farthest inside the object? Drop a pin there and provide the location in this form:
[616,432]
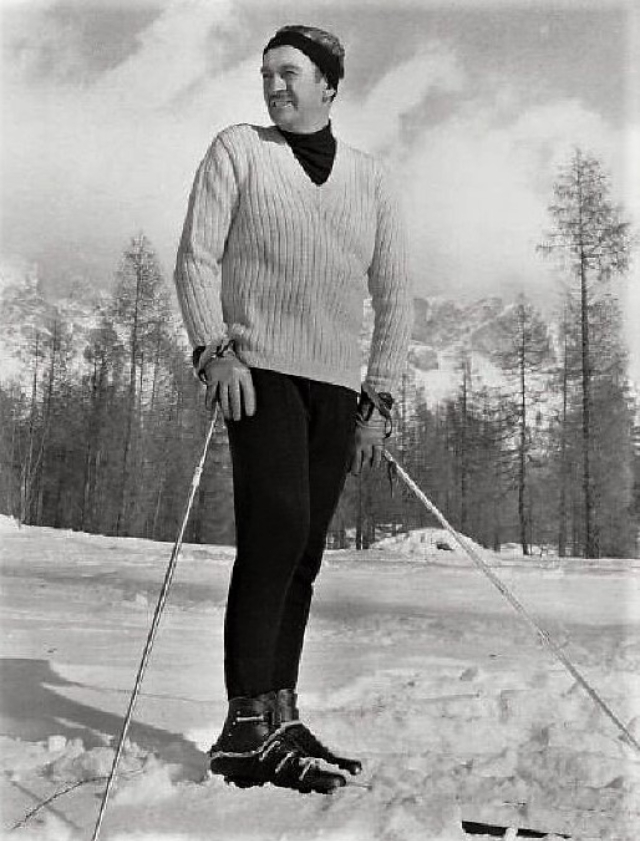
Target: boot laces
[307,763]
[302,763]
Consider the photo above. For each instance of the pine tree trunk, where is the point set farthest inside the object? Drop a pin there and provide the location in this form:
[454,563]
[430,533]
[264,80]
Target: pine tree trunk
[87,456]
[590,548]
[121,522]
[562,502]
[522,445]
[90,461]
[26,481]
[463,452]
[158,508]
[46,427]
[359,529]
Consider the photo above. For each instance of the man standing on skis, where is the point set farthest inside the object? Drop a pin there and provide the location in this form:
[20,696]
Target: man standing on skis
[287,230]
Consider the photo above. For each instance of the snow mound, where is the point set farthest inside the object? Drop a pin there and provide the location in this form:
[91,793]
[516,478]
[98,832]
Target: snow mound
[8,524]
[430,544]
[74,763]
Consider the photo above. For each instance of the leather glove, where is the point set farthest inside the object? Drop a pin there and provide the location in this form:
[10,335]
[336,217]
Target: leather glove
[229,381]
[373,427]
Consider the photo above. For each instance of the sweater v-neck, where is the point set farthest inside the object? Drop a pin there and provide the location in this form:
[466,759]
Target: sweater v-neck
[298,151]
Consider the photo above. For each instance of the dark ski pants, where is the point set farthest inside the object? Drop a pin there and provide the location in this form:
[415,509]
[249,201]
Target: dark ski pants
[289,468]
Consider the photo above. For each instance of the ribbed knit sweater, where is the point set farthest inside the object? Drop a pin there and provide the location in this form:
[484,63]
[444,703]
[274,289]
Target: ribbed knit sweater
[282,265]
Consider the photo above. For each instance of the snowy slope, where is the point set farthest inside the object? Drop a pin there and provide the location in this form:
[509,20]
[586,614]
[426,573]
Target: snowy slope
[419,668]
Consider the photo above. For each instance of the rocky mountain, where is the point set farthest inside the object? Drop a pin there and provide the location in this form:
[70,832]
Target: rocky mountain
[445,332]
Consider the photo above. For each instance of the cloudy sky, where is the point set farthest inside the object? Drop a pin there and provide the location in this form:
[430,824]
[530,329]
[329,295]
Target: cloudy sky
[107,108]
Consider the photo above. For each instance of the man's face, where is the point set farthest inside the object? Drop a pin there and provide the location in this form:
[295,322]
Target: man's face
[295,92]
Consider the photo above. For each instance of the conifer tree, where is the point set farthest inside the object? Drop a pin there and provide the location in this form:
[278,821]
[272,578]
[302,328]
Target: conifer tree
[141,309]
[524,351]
[591,240]
[27,320]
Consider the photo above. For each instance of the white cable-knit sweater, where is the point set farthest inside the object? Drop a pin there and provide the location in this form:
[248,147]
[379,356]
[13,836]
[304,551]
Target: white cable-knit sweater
[282,265]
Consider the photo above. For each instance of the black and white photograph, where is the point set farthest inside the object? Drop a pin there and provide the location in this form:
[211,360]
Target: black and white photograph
[319,420]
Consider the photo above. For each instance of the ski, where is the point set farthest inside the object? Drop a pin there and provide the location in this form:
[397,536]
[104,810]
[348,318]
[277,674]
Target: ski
[505,832]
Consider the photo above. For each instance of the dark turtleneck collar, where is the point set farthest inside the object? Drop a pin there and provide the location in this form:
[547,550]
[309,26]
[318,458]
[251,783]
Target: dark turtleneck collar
[315,152]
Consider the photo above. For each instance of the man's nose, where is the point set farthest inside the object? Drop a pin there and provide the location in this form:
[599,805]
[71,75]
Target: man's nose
[275,84]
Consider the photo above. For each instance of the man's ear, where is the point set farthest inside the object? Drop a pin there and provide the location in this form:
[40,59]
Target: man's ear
[328,94]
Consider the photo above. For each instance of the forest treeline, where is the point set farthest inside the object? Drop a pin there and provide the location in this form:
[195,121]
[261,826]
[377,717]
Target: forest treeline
[102,429]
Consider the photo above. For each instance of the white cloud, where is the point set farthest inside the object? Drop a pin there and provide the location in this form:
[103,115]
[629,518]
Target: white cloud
[173,54]
[477,191]
[375,122]
[87,166]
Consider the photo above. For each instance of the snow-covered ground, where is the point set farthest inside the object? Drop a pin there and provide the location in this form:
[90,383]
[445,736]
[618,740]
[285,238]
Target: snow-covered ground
[420,668]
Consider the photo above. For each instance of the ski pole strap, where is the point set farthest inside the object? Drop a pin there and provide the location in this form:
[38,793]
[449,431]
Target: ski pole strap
[370,399]
[203,353]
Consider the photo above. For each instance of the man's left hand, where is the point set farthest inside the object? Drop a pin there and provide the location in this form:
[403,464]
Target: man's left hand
[368,442]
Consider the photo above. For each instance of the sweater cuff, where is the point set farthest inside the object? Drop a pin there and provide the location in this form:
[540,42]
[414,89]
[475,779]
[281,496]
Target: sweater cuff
[380,383]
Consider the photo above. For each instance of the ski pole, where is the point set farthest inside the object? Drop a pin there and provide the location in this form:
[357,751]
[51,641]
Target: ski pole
[520,609]
[162,600]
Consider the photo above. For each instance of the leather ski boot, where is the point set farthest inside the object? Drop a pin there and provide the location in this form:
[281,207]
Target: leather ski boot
[300,737]
[252,751]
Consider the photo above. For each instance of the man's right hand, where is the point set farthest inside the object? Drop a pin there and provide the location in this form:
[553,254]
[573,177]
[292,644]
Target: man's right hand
[229,381]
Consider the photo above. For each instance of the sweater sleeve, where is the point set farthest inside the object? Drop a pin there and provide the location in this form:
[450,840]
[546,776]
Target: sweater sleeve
[197,275]
[391,293]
